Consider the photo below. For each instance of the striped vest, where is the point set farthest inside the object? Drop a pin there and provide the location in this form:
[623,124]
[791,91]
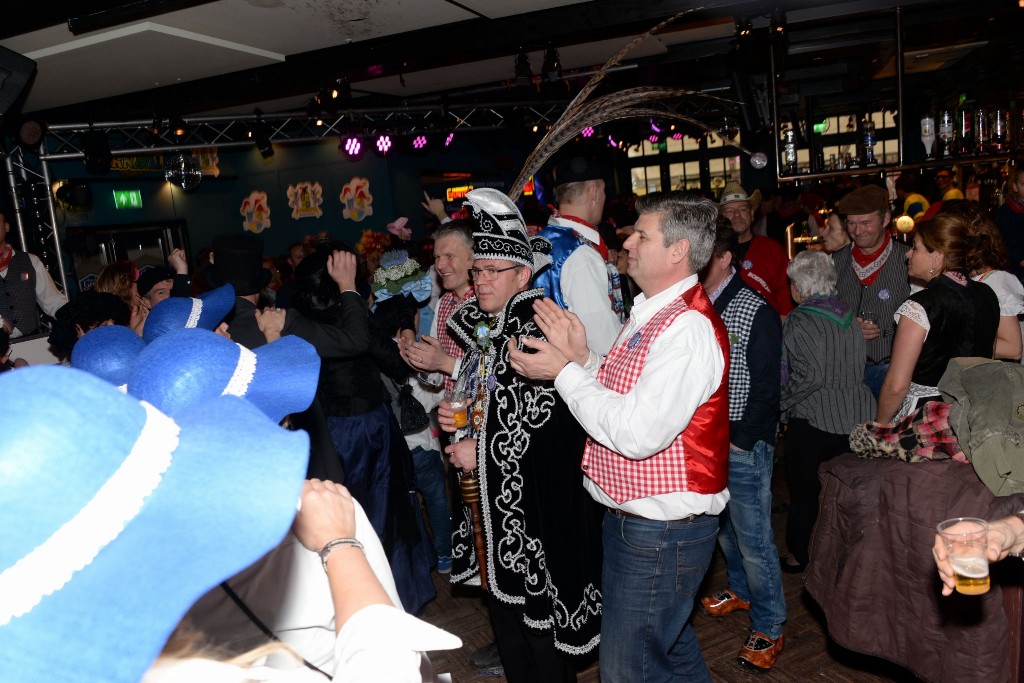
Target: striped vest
[697,460]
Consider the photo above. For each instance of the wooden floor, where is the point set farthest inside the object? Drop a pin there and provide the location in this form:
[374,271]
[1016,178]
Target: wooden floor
[809,655]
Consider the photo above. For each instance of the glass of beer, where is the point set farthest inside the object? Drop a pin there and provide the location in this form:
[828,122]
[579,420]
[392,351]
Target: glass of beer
[459,402]
[966,541]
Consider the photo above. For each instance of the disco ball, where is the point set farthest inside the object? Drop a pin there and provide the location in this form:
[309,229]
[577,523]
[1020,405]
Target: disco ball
[183,170]
[759,160]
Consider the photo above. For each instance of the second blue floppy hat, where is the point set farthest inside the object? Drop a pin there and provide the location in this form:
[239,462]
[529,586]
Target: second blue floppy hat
[186,367]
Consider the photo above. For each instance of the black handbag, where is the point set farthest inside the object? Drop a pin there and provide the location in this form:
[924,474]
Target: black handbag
[412,416]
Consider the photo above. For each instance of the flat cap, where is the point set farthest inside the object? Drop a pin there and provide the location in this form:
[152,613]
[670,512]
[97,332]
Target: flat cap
[863,200]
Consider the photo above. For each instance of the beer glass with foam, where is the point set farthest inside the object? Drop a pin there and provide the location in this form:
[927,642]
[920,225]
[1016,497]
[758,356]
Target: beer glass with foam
[966,541]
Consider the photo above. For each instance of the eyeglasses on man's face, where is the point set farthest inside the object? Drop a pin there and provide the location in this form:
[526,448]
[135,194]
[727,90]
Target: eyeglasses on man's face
[483,274]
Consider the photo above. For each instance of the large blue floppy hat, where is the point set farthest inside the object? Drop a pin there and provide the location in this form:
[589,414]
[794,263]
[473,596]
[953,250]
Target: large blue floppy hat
[116,518]
[188,366]
[205,312]
[109,352]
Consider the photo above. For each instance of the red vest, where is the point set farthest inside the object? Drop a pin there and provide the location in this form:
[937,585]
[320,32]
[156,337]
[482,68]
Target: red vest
[697,460]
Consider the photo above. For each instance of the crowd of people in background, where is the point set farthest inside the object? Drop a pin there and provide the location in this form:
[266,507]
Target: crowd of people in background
[621,375]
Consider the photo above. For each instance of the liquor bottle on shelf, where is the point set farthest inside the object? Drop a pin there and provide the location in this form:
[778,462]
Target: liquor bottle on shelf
[964,130]
[946,133]
[869,140]
[982,131]
[928,134]
[999,129]
[789,163]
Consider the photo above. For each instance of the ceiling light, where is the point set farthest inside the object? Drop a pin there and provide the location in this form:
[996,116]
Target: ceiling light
[448,140]
[523,70]
[419,142]
[96,152]
[587,132]
[351,146]
[552,68]
[260,134]
[383,143]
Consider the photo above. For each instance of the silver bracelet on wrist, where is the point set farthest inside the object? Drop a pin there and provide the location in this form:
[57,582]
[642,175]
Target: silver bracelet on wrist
[1019,515]
[331,545]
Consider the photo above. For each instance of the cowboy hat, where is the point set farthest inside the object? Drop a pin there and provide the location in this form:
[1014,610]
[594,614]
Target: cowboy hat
[117,518]
[734,192]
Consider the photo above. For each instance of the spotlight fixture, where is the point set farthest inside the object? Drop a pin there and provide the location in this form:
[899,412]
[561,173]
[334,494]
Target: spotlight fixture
[523,70]
[351,146]
[260,134]
[587,132]
[744,28]
[777,24]
[31,132]
[677,136]
[383,143]
[419,142]
[448,140]
[552,67]
[654,138]
[655,127]
[178,126]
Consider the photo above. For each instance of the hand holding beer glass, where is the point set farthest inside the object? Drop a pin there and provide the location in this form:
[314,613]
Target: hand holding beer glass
[458,402]
[965,542]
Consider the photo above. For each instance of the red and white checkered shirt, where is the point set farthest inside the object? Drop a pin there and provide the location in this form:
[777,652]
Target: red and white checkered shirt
[696,460]
[446,305]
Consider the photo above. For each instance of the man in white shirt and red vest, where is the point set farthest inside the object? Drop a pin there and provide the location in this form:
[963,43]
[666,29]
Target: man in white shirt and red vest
[657,414]
[580,277]
[762,261]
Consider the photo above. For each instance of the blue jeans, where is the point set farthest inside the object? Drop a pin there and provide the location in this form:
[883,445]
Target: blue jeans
[430,479]
[748,541]
[874,375]
[651,574]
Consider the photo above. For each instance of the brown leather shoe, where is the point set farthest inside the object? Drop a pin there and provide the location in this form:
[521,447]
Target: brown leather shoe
[722,603]
[758,654]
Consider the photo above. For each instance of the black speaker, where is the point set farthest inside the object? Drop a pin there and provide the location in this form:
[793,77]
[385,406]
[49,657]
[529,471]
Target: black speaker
[16,71]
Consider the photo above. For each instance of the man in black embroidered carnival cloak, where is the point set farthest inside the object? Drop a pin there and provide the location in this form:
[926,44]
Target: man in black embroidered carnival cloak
[541,530]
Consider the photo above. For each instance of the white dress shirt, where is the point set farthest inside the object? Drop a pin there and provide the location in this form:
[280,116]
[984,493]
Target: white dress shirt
[684,367]
[584,285]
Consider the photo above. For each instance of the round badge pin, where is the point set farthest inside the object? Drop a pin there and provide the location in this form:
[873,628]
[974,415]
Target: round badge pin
[884,294]
[633,341]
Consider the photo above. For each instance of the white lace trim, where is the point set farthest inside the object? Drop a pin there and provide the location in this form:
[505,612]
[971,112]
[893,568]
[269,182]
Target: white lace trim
[915,392]
[915,311]
[193,316]
[245,370]
[52,564]
[864,272]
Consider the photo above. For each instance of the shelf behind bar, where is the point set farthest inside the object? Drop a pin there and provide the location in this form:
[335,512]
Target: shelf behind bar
[875,170]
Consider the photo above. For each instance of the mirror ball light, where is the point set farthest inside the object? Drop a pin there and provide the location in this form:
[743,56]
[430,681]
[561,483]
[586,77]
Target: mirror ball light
[183,170]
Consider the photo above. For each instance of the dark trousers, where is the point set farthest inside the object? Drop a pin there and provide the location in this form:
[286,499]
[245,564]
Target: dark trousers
[806,448]
[528,656]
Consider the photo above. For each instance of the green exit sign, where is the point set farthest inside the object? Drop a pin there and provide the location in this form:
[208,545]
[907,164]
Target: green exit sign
[127,199]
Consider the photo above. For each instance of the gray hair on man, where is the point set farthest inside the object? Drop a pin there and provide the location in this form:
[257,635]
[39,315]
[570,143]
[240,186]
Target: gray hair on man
[684,216]
[813,274]
[461,228]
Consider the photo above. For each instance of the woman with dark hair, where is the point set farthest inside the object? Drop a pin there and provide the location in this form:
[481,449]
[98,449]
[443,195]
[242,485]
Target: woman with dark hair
[88,310]
[987,263]
[952,316]
[377,463]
